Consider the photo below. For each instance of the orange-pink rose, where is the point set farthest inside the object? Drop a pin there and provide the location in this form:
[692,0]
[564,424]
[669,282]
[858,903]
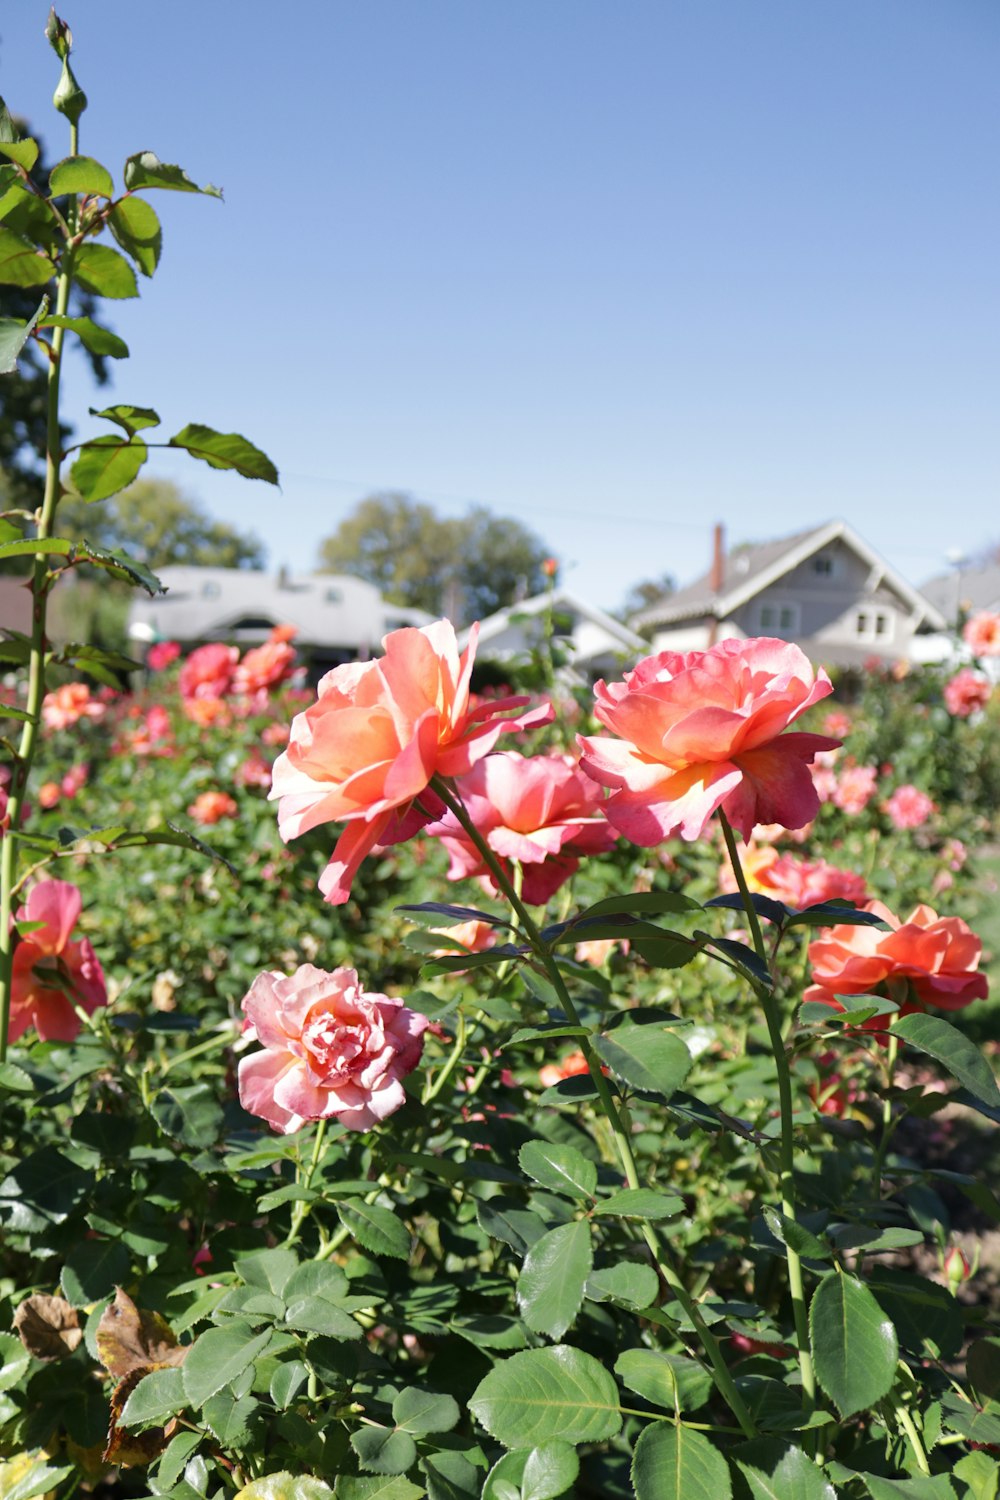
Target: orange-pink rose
[967,692]
[543,812]
[51,973]
[925,961]
[212,807]
[364,752]
[855,788]
[703,730]
[796,882]
[982,634]
[265,667]
[208,671]
[329,1050]
[69,704]
[909,807]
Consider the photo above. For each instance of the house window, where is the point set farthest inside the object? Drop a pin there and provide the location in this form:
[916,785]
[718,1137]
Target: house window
[874,625]
[862,623]
[783,618]
[823,565]
[334,596]
[881,624]
[210,589]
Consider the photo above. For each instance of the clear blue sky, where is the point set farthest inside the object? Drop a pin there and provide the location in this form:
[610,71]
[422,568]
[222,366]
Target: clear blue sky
[617,269]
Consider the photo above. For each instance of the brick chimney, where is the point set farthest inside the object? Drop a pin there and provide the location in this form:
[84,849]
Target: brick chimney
[716,575]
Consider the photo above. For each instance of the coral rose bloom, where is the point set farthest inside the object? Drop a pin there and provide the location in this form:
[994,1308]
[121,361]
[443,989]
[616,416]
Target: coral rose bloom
[329,1050]
[925,961]
[48,950]
[909,807]
[702,730]
[982,634]
[855,788]
[379,731]
[966,692]
[69,704]
[542,812]
[208,671]
[161,655]
[797,882]
[264,667]
[212,807]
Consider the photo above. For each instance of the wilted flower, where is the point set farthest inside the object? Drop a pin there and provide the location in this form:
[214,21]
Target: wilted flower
[330,1050]
[379,731]
[51,974]
[702,730]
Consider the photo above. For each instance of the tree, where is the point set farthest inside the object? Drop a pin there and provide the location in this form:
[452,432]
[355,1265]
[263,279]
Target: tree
[642,595]
[466,568]
[154,522]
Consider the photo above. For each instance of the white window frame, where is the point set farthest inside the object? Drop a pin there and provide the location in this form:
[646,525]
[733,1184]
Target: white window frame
[777,608]
[830,571]
[871,614]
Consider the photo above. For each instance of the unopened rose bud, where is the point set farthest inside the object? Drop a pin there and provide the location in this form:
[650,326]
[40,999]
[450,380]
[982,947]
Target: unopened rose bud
[69,98]
[550,567]
[59,36]
[956,1268]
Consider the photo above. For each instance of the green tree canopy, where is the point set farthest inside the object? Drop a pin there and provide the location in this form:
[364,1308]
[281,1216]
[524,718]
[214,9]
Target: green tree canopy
[465,568]
[157,524]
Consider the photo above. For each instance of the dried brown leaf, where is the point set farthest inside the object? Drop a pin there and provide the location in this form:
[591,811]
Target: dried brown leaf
[49,1327]
[129,1339]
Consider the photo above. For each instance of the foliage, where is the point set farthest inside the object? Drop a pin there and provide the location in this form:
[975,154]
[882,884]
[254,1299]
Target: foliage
[155,522]
[467,568]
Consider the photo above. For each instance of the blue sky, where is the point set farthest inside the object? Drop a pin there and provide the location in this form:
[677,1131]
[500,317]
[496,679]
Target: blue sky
[617,269]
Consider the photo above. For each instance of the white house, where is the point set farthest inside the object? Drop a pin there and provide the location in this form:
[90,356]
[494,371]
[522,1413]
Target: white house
[825,589]
[595,644]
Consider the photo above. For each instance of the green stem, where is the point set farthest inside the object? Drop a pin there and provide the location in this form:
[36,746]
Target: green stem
[888,1124]
[455,1057]
[301,1209]
[21,770]
[786,1173]
[723,1377]
[908,1425]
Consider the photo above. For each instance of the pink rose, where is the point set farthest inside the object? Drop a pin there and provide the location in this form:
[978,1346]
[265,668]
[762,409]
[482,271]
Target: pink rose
[212,807]
[702,730]
[69,704]
[855,788]
[329,1050]
[208,671]
[264,667]
[542,812]
[48,950]
[377,734]
[161,655]
[982,634]
[908,807]
[966,692]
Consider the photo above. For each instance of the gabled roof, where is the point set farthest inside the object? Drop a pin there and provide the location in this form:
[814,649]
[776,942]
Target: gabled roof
[964,590]
[747,571]
[559,599]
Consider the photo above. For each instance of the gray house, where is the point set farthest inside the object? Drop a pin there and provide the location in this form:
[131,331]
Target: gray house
[825,589]
[965,591]
[337,618]
[595,644]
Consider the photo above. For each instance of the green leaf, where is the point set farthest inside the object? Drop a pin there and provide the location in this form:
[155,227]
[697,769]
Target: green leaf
[173,1459]
[672,1381]
[287,1381]
[107,465]
[383,1449]
[854,1343]
[640,1203]
[503,1219]
[158,1396]
[561,1168]
[23,153]
[190,1113]
[54,546]
[650,1058]
[639,904]
[38,1478]
[630,1283]
[22,263]
[234,1423]
[270,1270]
[674,1463]
[927,1318]
[359,1487]
[95,338]
[419,1411]
[225,450]
[947,1045]
[544,1394]
[93,1270]
[132,418]
[550,1287]
[788,1232]
[136,227]
[14,334]
[101,270]
[774,1471]
[145,170]
[219,1356]
[42,1190]
[375,1228]
[316,1315]
[543,1473]
[286,1486]
[980,1474]
[80,174]
[917,1487]
[315,1278]
[983,1368]
[14,1360]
